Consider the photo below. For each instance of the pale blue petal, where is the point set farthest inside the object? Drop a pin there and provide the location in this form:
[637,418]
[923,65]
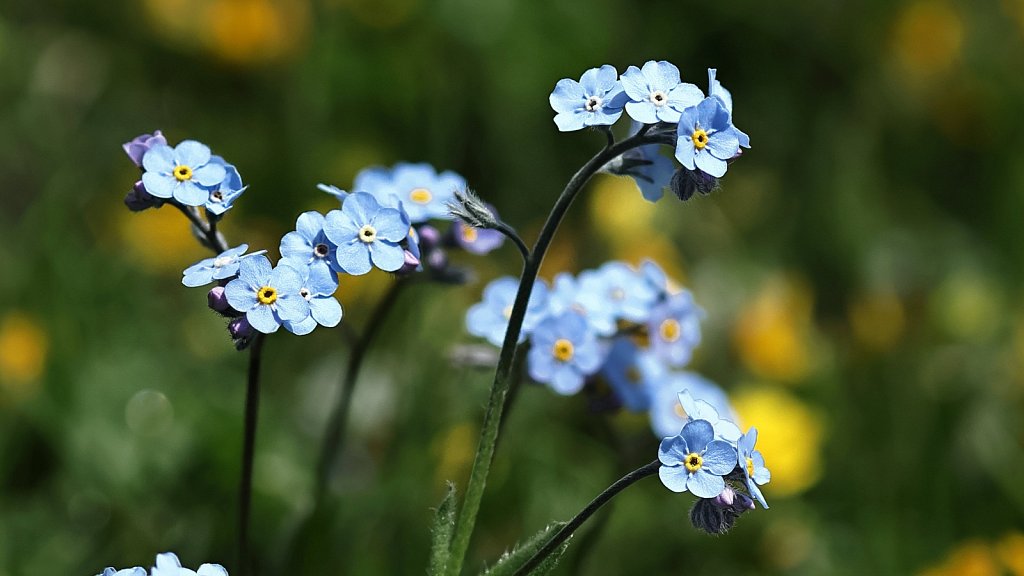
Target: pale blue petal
[756,493]
[294,245]
[159,159]
[603,116]
[607,78]
[286,279]
[387,257]
[673,450]
[590,83]
[302,327]
[746,443]
[159,185]
[197,278]
[705,485]
[354,258]
[540,363]
[674,478]
[212,570]
[292,308]
[191,194]
[567,96]
[723,145]
[644,111]
[361,207]
[339,227]
[327,311]
[709,164]
[565,380]
[726,430]
[240,295]
[309,224]
[698,433]
[684,96]
[390,225]
[635,85]
[255,270]
[685,151]
[209,175]
[192,154]
[322,281]
[719,458]
[570,121]
[661,75]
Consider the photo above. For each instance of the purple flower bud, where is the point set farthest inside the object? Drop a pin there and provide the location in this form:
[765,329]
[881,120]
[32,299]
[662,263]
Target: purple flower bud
[475,240]
[141,144]
[412,264]
[239,328]
[139,199]
[726,498]
[437,259]
[430,238]
[217,300]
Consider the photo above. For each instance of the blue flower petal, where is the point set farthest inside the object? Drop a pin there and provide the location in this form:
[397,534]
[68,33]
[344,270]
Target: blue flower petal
[673,477]
[565,380]
[192,154]
[707,163]
[212,570]
[327,311]
[255,271]
[240,295]
[302,327]
[262,319]
[390,225]
[723,145]
[159,159]
[704,484]
[698,433]
[719,458]
[673,450]
[292,307]
[570,121]
[159,185]
[191,194]
[540,364]
[387,257]
[209,175]
[354,258]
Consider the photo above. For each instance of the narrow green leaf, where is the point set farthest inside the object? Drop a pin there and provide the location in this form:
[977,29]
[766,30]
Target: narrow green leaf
[549,563]
[511,561]
[441,533]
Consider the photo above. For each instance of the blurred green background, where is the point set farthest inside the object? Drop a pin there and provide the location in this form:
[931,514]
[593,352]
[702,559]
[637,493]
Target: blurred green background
[861,269]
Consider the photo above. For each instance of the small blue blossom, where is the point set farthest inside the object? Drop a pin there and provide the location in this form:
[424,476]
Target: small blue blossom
[716,89]
[667,414]
[489,318]
[627,371]
[563,353]
[655,277]
[476,240]
[674,328]
[694,461]
[223,196]
[318,286]
[707,138]
[424,193]
[222,267]
[657,94]
[596,100]
[184,172]
[267,296]
[137,571]
[752,463]
[696,409]
[167,564]
[309,246]
[367,234]
[617,291]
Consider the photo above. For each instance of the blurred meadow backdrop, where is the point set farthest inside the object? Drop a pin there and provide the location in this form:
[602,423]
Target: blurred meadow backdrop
[862,271]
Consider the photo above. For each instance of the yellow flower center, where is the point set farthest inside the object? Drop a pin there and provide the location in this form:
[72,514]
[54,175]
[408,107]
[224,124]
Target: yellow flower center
[420,195]
[669,330]
[750,467]
[562,350]
[182,173]
[700,139]
[469,234]
[267,295]
[367,234]
[693,462]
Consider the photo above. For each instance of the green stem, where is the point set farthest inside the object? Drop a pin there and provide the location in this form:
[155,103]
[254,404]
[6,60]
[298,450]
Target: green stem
[499,388]
[334,438]
[578,520]
[252,407]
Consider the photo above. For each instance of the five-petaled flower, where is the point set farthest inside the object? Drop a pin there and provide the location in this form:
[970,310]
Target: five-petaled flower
[596,100]
[674,328]
[318,286]
[308,245]
[167,564]
[694,461]
[223,196]
[707,138]
[699,409]
[185,172]
[267,296]
[656,92]
[563,353]
[367,234]
[421,190]
[752,463]
[489,318]
[223,266]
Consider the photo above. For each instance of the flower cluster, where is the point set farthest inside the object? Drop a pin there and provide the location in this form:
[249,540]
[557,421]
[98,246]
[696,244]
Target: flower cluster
[167,564]
[676,113]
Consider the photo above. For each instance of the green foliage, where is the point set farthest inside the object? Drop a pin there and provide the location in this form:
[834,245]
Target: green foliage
[518,556]
[441,532]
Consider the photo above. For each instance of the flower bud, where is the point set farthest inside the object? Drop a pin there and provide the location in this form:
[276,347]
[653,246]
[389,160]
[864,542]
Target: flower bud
[411,265]
[217,300]
[141,144]
[138,199]
[240,329]
[686,182]
[469,208]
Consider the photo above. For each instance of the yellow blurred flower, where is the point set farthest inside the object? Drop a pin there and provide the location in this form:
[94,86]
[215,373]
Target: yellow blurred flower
[772,334]
[619,211]
[23,348]
[789,435]
[972,558]
[240,31]
[454,452]
[928,37]
[877,319]
[1010,550]
[968,305]
[159,240]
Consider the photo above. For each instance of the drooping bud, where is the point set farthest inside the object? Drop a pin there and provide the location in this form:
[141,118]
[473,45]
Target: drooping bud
[411,265]
[240,329]
[686,182]
[718,515]
[469,208]
[138,199]
[218,302]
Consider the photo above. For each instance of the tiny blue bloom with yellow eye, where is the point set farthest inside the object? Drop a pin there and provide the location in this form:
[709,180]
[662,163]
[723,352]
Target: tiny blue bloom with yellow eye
[707,138]
[667,414]
[266,295]
[167,564]
[699,409]
[184,172]
[716,90]
[366,234]
[563,352]
[752,463]
[318,286]
[489,318]
[618,291]
[674,328]
[596,100]
[656,92]
[694,461]
[222,267]
[223,196]
[308,245]
[423,191]
[626,370]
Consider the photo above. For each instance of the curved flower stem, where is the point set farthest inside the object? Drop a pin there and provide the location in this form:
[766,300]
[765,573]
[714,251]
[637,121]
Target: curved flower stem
[578,520]
[499,387]
[214,241]
[252,406]
[334,438]
[511,234]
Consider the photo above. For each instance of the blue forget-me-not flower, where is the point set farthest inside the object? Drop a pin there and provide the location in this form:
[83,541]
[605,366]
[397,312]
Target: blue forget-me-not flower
[752,463]
[222,267]
[626,369]
[366,234]
[667,414]
[699,409]
[167,564]
[656,92]
[716,89]
[317,287]
[489,318]
[184,172]
[223,196]
[596,100]
[563,353]
[424,192]
[674,328]
[706,138]
[308,245]
[694,461]
[267,296]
